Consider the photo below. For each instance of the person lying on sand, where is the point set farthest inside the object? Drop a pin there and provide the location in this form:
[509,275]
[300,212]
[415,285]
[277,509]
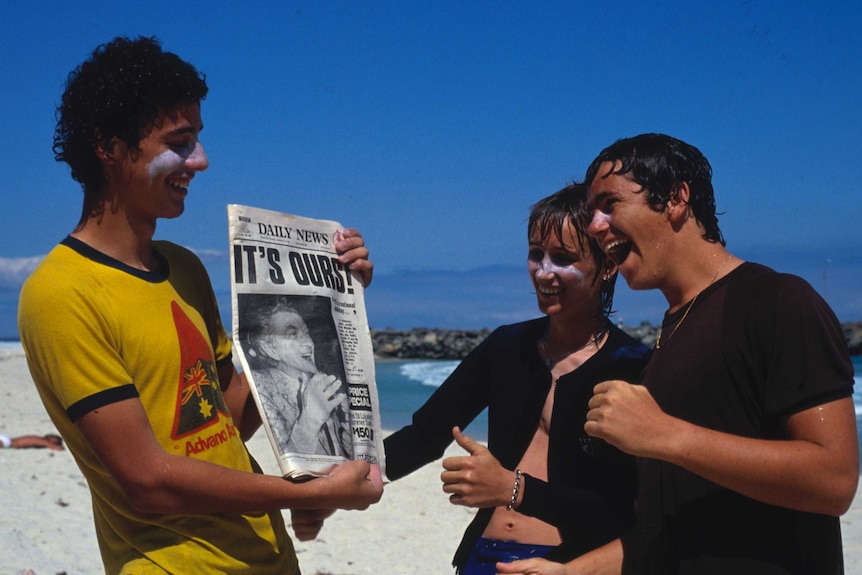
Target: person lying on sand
[51,441]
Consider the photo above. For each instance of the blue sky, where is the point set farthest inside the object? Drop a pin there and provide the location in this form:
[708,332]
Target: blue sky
[432,127]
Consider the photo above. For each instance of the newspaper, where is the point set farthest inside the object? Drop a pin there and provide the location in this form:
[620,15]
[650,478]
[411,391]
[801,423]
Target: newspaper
[302,337]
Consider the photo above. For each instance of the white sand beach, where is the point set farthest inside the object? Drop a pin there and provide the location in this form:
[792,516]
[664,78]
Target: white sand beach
[47,528]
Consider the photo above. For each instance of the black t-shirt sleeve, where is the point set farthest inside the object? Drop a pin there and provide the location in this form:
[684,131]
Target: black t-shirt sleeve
[805,357]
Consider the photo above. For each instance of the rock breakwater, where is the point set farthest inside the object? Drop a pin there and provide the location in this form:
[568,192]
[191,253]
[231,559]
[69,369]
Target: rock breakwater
[426,343]
[430,343]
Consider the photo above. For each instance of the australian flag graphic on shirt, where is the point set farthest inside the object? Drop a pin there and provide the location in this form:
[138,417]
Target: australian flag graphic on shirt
[200,403]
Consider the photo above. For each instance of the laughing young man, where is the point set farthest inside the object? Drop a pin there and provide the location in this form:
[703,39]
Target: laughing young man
[743,423]
[125,345]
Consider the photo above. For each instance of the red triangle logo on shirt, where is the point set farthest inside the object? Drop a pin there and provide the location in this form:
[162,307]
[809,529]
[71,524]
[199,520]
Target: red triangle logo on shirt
[199,398]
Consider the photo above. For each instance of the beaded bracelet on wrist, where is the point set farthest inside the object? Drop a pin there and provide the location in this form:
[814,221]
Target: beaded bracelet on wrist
[515,490]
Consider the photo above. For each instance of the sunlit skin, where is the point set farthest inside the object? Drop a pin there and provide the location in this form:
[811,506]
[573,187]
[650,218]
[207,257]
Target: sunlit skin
[51,441]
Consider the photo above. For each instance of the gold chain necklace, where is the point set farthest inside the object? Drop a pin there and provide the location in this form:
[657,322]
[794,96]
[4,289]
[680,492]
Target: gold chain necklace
[550,361]
[691,305]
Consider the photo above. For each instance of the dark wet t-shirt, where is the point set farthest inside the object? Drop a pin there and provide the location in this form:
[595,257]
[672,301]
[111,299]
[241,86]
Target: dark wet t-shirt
[756,347]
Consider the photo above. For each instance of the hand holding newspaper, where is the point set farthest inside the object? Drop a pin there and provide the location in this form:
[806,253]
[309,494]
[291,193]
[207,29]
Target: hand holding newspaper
[302,337]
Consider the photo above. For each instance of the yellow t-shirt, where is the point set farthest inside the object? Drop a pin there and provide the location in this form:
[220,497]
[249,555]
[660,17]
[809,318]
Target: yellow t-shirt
[96,331]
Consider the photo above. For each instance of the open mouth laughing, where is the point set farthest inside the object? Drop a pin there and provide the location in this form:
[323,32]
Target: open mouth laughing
[181,185]
[548,291]
[618,250]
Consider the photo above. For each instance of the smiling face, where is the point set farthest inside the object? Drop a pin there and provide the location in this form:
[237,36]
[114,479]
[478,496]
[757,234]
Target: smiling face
[153,179]
[629,231]
[563,275]
[291,343]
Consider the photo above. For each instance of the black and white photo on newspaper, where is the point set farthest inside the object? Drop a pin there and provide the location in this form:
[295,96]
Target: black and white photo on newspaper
[301,334]
[302,387]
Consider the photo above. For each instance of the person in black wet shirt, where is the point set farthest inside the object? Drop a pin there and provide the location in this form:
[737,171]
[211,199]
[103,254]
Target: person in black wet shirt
[542,486]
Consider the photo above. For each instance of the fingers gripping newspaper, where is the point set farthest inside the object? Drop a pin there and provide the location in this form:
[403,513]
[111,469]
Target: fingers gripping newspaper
[301,333]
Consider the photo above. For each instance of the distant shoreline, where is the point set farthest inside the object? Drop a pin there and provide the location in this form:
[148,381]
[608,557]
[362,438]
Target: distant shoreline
[444,343]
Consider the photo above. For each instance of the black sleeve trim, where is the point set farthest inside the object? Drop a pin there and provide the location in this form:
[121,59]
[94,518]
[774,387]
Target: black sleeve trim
[101,399]
[833,395]
[225,360]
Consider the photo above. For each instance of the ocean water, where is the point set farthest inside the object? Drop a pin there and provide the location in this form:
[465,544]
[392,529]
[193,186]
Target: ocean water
[403,386]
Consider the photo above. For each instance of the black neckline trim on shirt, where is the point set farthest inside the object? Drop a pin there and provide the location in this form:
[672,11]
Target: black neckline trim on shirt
[91,253]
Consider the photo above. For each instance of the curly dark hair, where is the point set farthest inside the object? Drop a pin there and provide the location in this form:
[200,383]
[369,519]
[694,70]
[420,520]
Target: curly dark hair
[549,215]
[659,163]
[118,92]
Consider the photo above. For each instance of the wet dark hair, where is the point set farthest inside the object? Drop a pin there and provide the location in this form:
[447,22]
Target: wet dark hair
[549,215]
[119,91]
[659,163]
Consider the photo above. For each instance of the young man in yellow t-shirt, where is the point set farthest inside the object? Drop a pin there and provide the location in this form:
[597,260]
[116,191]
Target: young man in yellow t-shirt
[124,341]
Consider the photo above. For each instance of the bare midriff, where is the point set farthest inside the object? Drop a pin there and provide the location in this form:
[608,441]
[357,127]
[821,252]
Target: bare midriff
[508,524]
